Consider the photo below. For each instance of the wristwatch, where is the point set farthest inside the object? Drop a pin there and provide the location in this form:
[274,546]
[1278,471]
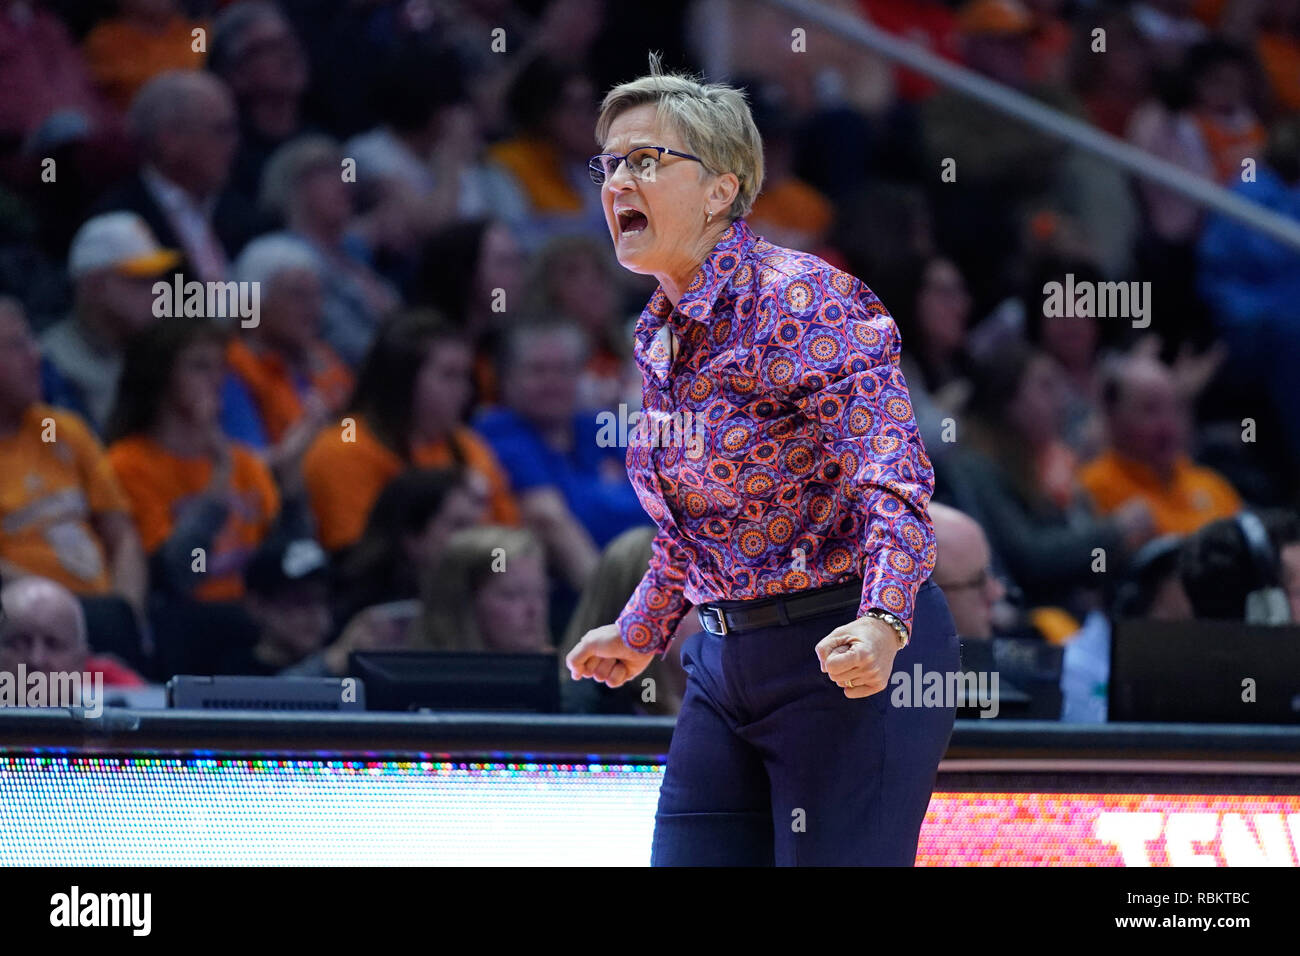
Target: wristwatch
[893,621]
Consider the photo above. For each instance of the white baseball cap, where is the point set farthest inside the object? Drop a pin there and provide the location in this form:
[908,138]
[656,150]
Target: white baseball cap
[121,241]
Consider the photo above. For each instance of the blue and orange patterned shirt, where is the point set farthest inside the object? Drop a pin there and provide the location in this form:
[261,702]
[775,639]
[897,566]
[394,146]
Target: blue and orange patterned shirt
[777,450]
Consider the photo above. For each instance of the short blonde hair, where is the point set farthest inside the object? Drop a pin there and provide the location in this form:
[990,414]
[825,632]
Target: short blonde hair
[713,120]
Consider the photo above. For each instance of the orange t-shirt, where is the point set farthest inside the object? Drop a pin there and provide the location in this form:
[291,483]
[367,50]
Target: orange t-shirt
[535,164]
[345,477]
[1279,54]
[1193,498]
[122,57]
[1228,144]
[160,485]
[54,477]
[793,204]
[268,378]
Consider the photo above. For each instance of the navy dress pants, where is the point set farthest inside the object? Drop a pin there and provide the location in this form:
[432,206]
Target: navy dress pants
[770,764]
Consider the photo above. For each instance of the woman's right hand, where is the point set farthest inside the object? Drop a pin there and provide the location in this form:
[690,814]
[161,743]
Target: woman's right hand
[603,656]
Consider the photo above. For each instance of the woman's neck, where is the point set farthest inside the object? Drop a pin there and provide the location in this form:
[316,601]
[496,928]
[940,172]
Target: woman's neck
[678,276]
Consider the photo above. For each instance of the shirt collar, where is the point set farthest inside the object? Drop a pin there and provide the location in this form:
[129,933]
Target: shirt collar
[660,321]
[171,196]
[701,294]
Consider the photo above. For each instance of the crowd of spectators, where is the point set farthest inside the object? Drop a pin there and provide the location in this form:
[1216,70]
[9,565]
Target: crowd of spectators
[403,448]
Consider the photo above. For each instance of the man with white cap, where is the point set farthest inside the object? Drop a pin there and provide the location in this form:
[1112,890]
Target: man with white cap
[113,262]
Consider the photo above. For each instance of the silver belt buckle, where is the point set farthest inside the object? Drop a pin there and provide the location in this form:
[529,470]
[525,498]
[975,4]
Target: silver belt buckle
[722,621]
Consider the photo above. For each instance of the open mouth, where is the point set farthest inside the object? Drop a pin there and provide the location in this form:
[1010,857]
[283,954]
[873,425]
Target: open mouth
[631,221]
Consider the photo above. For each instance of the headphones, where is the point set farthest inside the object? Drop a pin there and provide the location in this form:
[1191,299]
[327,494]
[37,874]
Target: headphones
[1135,593]
[1267,604]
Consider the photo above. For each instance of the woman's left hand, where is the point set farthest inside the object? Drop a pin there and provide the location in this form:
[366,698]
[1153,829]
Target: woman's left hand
[859,656]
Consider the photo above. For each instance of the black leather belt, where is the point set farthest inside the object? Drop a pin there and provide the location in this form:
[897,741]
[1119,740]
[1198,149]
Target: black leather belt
[731,617]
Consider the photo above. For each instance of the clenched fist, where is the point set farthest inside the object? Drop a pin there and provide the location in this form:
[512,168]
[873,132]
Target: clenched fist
[602,655]
[859,656]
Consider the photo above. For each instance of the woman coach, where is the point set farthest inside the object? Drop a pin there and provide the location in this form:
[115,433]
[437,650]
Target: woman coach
[798,527]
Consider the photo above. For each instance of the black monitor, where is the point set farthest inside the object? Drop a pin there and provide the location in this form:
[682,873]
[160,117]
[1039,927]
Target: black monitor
[1028,677]
[1202,671]
[448,680]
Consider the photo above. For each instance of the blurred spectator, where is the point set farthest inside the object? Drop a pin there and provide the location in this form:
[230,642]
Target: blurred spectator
[1244,568]
[1252,282]
[42,628]
[927,23]
[1114,83]
[488,593]
[1222,105]
[622,565]
[257,54]
[551,107]
[574,277]
[185,124]
[429,146]
[1250,279]
[1277,45]
[63,514]
[143,39]
[1204,123]
[1005,176]
[1015,476]
[201,503]
[572,485]
[472,273]
[113,263]
[303,188]
[1169,27]
[46,93]
[964,571]
[788,211]
[875,254]
[1050,41]
[285,382]
[1147,458]
[408,528]
[406,410]
[1074,341]
[287,597]
[928,299]
[571,32]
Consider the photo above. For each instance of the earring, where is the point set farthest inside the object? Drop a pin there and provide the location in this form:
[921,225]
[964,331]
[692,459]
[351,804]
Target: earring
[708,218]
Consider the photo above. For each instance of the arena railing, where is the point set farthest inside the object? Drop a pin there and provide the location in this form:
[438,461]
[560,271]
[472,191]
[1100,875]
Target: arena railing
[1025,109]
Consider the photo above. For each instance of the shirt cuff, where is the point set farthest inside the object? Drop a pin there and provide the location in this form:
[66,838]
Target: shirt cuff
[888,590]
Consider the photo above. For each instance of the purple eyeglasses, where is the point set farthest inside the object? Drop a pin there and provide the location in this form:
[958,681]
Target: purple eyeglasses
[641,162]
